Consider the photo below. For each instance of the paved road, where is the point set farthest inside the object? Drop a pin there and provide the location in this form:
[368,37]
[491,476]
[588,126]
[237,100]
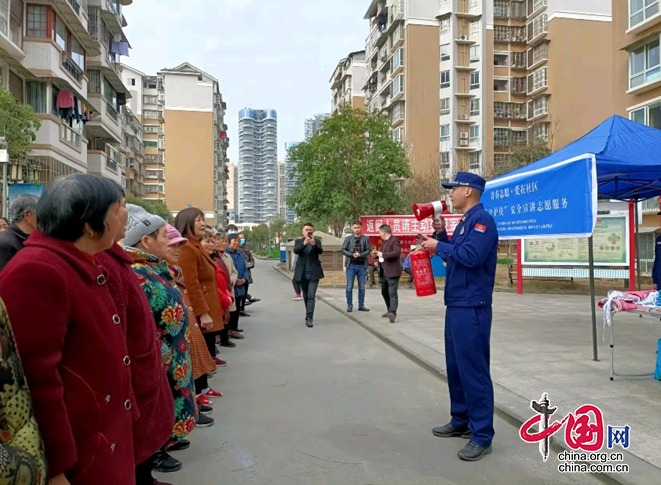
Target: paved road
[334,405]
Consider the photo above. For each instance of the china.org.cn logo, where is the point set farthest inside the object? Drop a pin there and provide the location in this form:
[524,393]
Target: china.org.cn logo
[585,434]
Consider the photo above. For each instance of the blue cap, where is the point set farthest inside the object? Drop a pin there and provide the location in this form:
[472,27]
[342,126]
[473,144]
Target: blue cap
[467,179]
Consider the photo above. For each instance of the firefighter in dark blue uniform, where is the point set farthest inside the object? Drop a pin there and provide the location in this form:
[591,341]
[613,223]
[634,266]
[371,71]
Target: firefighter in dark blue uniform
[471,258]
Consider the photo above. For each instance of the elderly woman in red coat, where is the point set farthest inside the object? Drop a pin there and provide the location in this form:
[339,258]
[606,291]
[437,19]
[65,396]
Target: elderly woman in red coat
[71,338]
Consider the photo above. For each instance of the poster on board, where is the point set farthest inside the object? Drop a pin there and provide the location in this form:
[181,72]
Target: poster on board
[24,189]
[611,246]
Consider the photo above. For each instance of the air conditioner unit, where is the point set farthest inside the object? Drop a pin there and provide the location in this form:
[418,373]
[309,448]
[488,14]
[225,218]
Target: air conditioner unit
[463,37]
[464,117]
[463,143]
[464,135]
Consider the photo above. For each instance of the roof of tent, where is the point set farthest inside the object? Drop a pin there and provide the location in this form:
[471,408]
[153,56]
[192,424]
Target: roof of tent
[628,159]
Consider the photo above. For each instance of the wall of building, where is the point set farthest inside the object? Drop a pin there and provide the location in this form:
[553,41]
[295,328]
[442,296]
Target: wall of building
[186,92]
[190,155]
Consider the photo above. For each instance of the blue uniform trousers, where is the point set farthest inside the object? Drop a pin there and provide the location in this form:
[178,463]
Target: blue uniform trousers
[467,335]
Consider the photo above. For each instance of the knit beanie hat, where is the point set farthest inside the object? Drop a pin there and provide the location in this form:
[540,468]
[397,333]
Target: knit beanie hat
[139,224]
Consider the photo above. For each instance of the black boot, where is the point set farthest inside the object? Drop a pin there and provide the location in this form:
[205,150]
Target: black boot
[474,452]
[165,463]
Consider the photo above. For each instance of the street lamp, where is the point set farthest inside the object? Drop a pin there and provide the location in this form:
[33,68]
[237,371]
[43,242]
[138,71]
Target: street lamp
[4,161]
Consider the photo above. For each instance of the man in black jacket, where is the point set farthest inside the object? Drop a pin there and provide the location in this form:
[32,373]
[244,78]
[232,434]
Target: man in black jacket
[308,269]
[23,214]
[356,248]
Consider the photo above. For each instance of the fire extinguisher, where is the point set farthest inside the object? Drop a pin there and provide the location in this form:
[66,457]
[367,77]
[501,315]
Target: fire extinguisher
[423,276]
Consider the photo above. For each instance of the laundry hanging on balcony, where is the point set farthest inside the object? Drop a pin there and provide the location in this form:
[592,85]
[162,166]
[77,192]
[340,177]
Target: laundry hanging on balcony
[119,48]
[121,99]
[71,109]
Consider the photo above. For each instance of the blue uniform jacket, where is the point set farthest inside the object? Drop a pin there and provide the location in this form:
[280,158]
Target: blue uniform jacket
[656,270]
[241,267]
[471,258]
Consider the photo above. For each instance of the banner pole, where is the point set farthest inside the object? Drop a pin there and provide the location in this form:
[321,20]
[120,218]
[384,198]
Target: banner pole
[519,267]
[632,247]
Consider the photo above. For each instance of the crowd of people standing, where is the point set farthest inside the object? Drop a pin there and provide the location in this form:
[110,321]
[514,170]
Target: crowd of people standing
[119,319]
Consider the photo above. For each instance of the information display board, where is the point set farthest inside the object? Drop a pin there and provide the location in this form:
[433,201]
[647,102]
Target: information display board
[611,246]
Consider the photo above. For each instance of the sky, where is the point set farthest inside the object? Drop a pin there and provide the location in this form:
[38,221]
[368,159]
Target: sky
[276,54]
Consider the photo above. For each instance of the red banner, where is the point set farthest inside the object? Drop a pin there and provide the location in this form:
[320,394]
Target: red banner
[406,225]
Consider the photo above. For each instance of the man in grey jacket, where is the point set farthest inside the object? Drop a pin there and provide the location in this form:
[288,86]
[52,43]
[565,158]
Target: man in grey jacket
[356,248]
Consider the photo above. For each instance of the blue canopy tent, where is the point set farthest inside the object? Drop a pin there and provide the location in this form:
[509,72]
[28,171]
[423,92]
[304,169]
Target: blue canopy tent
[619,159]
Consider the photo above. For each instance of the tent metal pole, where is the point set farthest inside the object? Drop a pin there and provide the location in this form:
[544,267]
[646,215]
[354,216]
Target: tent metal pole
[595,350]
[637,246]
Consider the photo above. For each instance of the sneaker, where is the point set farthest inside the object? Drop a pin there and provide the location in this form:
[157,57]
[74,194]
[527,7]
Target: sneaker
[212,393]
[203,400]
[254,300]
[236,335]
[204,421]
[240,330]
[231,345]
[297,297]
[449,431]
[244,314]
[165,463]
[474,452]
[349,309]
[180,445]
[204,409]
[308,323]
[392,317]
[219,362]
[363,309]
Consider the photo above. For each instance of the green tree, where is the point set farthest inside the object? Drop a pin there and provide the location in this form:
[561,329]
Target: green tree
[259,236]
[156,208]
[19,125]
[350,168]
[278,228]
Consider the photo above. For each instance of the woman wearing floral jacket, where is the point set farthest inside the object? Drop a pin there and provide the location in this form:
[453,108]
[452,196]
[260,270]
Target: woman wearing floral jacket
[146,242]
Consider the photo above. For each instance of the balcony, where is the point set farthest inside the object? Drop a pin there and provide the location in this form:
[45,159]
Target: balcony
[537,29]
[469,9]
[502,33]
[518,60]
[11,32]
[64,138]
[509,111]
[444,8]
[536,6]
[99,163]
[397,38]
[75,15]
[538,80]
[154,160]
[111,11]
[537,55]
[509,10]
[46,58]
[105,123]
[538,108]
[72,68]
[519,86]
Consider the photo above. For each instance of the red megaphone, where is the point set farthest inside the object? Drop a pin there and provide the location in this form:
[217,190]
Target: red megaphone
[433,209]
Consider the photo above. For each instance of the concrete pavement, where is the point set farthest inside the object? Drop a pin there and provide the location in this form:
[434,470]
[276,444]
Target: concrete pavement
[334,405]
[542,343]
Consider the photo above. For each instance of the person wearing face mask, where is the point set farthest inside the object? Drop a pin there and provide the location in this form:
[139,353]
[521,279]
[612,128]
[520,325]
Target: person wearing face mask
[152,391]
[146,242]
[71,339]
[471,258]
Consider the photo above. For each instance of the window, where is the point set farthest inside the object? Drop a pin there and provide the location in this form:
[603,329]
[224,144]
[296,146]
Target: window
[641,10]
[150,114]
[501,9]
[398,59]
[150,99]
[475,80]
[61,33]
[445,52]
[445,26]
[77,54]
[445,159]
[518,60]
[648,115]
[398,135]
[475,107]
[445,106]
[130,81]
[538,107]
[538,80]
[500,60]
[537,27]
[110,93]
[500,159]
[445,133]
[508,111]
[475,53]
[398,85]
[53,105]
[445,79]
[474,134]
[474,29]
[644,65]
[150,144]
[501,85]
[36,93]
[474,160]
[537,54]
[37,25]
[502,136]
[70,135]
[519,136]
[539,132]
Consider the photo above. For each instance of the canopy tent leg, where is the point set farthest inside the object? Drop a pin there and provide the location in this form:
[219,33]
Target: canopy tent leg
[595,350]
[637,247]
[632,246]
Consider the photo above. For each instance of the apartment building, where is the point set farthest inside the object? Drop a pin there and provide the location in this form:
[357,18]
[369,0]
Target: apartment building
[197,141]
[258,159]
[546,54]
[403,76]
[637,78]
[292,178]
[347,82]
[282,189]
[53,57]
[312,125]
[133,151]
